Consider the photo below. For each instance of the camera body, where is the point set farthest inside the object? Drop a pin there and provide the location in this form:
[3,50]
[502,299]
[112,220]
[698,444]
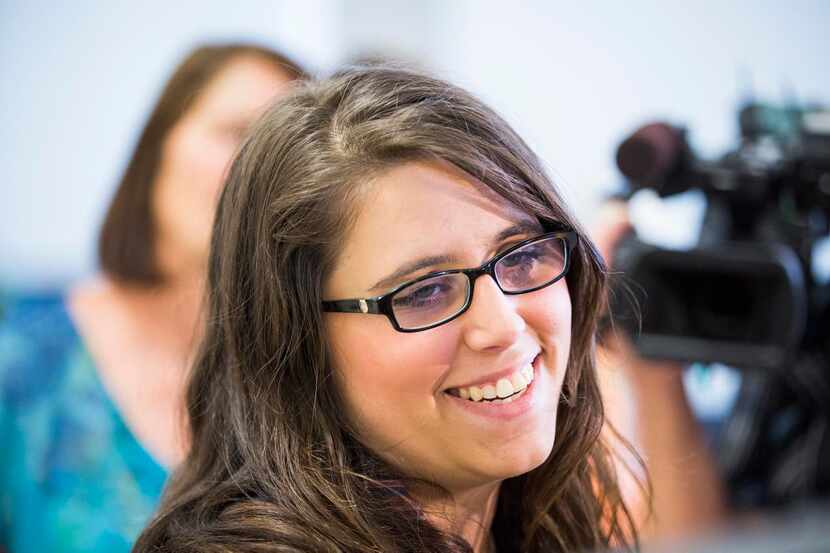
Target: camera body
[746,294]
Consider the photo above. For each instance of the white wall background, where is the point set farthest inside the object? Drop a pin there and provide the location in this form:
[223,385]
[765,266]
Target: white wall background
[77,80]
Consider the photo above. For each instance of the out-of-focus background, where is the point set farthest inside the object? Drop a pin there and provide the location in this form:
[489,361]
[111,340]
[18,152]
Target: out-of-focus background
[77,80]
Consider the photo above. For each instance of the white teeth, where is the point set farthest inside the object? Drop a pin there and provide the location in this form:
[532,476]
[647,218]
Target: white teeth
[504,388]
[519,381]
[504,391]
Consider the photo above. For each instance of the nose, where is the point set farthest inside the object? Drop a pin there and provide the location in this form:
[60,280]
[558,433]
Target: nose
[492,322]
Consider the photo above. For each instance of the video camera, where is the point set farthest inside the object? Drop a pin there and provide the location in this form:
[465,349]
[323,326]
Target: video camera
[748,295]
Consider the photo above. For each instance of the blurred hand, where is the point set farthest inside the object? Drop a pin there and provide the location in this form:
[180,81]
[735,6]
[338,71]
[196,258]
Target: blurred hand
[616,350]
[646,403]
[612,224]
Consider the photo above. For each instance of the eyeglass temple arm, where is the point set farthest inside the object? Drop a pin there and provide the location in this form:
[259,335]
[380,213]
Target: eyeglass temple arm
[352,306]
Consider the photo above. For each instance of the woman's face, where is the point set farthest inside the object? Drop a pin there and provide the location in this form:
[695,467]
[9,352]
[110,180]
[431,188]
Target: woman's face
[197,152]
[402,389]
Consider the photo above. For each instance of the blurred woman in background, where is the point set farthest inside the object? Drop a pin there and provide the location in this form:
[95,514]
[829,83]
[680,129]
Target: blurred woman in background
[91,381]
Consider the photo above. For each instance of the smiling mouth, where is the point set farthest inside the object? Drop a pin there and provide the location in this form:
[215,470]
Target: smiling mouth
[504,390]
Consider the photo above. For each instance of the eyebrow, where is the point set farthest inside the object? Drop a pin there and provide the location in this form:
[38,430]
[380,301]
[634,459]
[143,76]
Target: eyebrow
[526,226]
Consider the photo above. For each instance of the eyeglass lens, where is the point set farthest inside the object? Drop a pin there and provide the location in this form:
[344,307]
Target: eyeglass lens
[433,300]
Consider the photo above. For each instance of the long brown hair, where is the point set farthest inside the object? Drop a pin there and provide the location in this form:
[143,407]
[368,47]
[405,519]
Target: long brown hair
[126,244]
[274,464]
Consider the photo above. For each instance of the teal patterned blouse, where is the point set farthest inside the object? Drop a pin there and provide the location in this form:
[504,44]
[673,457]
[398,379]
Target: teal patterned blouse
[72,475]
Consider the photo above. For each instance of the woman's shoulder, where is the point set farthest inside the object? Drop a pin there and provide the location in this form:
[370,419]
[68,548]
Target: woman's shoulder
[37,343]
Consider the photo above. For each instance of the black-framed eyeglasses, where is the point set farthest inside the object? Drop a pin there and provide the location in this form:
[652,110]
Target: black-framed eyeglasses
[438,298]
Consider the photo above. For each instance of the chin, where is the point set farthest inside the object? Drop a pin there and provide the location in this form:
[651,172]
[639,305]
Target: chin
[522,457]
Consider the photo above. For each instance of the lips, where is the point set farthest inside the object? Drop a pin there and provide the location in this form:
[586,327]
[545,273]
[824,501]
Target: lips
[503,389]
[510,409]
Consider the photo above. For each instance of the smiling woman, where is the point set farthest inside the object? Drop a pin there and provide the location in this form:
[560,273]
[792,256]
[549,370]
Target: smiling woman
[400,345]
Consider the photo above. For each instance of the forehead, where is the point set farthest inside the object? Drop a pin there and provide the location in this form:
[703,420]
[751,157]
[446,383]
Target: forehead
[245,85]
[416,210]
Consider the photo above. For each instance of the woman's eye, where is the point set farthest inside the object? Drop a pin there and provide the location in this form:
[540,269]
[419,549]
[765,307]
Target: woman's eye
[521,258]
[428,295]
[522,267]
[420,296]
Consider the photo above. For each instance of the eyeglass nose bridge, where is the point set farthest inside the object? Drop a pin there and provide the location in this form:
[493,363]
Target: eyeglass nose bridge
[473,275]
[488,268]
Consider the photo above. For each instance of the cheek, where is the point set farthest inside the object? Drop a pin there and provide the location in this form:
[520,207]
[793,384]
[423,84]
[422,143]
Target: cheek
[548,316]
[388,378]
[190,178]
[199,158]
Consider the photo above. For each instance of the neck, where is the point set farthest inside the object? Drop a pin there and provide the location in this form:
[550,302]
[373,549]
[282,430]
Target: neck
[468,513]
[169,313]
